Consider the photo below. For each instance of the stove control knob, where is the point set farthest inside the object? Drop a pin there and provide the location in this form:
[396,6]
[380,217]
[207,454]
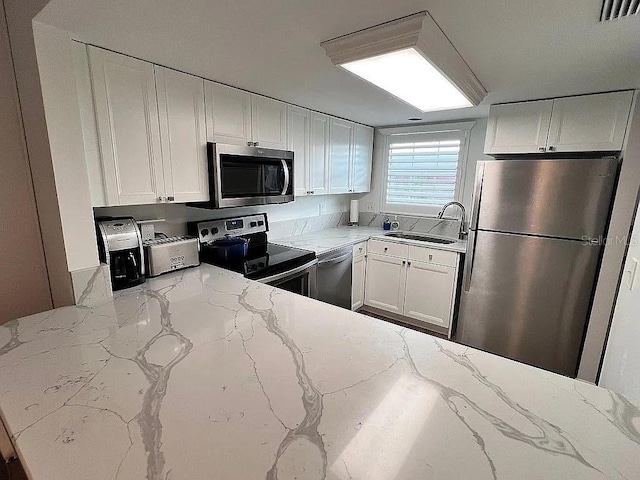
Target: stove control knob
[253,224]
[204,232]
[260,222]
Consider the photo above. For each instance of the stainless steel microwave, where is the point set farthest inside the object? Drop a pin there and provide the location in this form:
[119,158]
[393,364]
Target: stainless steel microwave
[240,176]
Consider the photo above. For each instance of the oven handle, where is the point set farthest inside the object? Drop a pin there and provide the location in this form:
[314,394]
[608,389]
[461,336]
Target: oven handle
[287,177]
[288,273]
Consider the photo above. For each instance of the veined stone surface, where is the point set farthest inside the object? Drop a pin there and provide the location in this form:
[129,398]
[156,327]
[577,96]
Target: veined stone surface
[202,374]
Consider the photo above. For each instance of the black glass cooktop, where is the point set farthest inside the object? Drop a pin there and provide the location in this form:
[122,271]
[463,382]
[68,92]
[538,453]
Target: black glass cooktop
[263,259]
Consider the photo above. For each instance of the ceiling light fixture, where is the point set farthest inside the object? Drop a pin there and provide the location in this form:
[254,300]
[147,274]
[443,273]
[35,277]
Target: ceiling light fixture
[412,59]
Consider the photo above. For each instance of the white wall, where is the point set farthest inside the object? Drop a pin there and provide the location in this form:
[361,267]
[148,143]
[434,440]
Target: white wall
[20,14]
[62,114]
[621,368]
[372,201]
[613,258]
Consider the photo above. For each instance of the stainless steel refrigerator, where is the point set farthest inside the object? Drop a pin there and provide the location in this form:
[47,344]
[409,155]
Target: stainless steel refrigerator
[535,243]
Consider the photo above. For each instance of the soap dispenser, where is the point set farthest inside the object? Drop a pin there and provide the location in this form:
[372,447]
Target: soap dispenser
[386,225]
[395,225]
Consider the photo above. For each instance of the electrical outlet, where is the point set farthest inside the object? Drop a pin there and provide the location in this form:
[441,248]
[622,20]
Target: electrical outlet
[369,207]
[321,209]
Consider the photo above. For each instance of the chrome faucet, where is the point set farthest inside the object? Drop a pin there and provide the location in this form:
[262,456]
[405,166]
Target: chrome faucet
[464,228]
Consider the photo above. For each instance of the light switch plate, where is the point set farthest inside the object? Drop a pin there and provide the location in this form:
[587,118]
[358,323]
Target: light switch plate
[631,273]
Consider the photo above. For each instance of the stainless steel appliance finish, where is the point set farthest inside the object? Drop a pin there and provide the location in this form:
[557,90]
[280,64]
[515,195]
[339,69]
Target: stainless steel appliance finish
[335,277]
[168,254]
[532,263]
[240,176]
[288,268]
[120,246]
[301,280]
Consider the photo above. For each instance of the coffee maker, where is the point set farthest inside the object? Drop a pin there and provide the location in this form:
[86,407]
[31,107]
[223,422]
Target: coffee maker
[120,246]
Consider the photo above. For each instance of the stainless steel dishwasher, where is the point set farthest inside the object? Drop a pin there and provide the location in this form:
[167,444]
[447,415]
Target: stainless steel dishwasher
[334,277]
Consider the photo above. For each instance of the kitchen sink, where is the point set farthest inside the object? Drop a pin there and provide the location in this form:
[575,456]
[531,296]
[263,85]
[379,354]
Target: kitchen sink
[420,238]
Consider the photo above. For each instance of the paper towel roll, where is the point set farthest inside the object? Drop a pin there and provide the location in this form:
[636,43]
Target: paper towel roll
[353,212]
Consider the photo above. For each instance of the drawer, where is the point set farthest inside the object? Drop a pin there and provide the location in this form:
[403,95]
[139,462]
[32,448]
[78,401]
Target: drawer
[432,255]
[360,249]
[387,248]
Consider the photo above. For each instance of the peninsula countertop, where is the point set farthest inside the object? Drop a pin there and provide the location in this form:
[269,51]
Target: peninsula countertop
[202,374]
[324,241]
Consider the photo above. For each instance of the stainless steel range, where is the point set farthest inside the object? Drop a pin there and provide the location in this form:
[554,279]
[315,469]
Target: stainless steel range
[289,268]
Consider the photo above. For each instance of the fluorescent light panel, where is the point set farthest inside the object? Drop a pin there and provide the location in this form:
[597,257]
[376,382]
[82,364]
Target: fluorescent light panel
[409,76]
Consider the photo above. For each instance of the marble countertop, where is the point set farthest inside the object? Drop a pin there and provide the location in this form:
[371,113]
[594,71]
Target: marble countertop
[330,239]
[202,374]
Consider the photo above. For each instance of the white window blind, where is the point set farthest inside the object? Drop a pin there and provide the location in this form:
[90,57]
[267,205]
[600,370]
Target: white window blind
[423,171]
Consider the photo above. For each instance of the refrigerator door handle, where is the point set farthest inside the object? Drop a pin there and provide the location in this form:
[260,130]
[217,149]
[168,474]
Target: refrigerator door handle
[471,240]
[468,261]
[477,194]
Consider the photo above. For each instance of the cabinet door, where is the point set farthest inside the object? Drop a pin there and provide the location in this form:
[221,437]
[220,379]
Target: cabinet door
[299,128]
[357,282]
[183,135]
[518,127]
[384,285]
[340,147]
[128,128]
[429,293]
[319,154]
[268,122]
[361,159]
[228,114]
[589,123]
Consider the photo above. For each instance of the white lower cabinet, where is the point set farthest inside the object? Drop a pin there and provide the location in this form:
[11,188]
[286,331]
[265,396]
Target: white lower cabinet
[429,292]
[385,283]
[399,281]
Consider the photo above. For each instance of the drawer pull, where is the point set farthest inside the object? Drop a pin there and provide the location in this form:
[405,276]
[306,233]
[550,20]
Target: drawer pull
[430,257]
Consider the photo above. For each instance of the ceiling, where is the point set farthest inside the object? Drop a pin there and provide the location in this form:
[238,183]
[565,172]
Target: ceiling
[518,49]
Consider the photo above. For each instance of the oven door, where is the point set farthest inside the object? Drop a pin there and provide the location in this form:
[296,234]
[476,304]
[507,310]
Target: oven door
[250,175]
[301,280]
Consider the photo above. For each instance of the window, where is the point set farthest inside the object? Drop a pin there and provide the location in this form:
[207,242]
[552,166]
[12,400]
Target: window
[424,170]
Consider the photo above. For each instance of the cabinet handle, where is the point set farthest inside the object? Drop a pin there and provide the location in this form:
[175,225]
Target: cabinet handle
[404,262]
[552,148]
[386,248]
[171,199]
[408,264]
[430,257]
[161,199]
[255,144]
[541,149]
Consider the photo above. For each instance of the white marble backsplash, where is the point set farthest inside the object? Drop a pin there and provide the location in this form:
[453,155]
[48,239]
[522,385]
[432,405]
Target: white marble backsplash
[435,226]
[92,286]
[298,226]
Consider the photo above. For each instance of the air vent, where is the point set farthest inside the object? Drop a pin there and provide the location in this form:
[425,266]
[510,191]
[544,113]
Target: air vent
[614,9]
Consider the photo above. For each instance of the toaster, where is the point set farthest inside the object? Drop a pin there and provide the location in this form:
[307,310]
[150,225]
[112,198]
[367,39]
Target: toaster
[164,255]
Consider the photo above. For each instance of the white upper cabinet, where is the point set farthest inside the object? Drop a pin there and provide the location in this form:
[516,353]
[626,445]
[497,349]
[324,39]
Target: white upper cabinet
[518,127]
[362,159]
[146,128]
[228,114]
[319,155]
[299,129]
[183,135]
[589,123]
[340,151]
[268,122]
[128,127]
